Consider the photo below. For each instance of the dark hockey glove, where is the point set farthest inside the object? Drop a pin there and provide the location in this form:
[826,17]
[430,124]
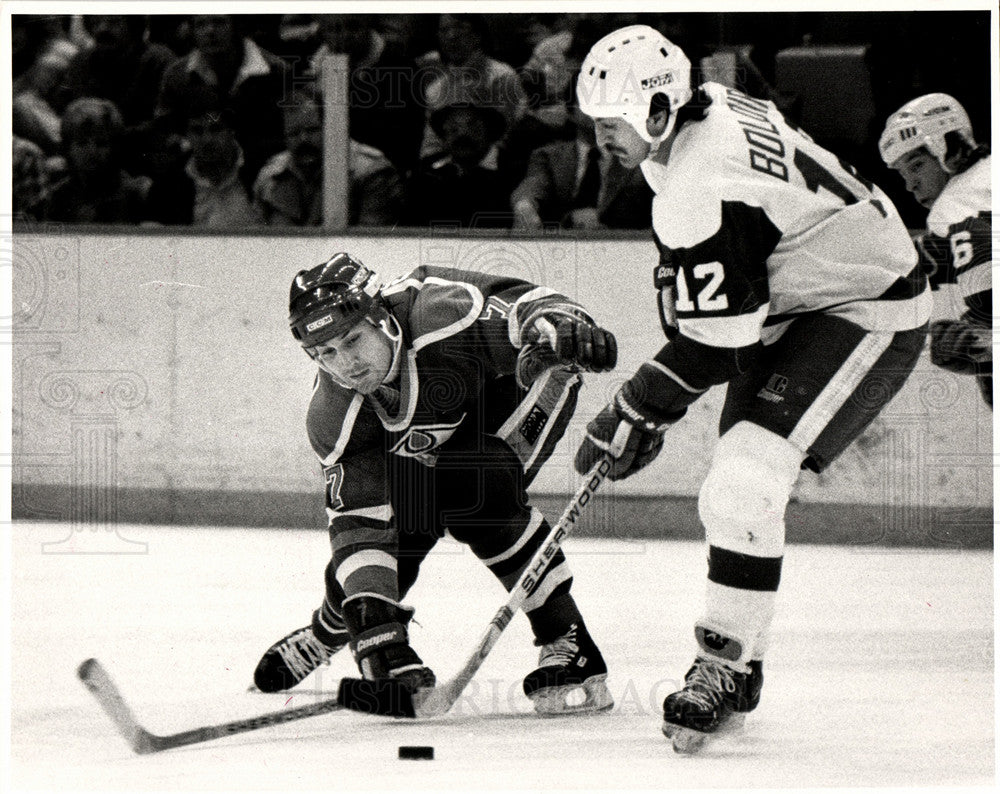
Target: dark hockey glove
[574,338]
[961,347]
[985,382]
[532,361]
[633,436]
[381,645]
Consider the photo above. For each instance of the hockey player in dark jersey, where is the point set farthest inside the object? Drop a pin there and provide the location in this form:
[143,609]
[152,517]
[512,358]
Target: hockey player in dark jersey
[438,398]
[929,142]
[783,273]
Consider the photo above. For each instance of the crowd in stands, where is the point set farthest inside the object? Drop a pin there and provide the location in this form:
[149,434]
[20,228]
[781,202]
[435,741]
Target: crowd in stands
[216,121]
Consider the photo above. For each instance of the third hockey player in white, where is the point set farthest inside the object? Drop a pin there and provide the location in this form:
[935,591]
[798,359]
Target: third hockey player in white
[929,142]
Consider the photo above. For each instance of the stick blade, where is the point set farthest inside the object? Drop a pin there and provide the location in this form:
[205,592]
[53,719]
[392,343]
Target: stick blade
[93,675]
[437,701]
[385,697]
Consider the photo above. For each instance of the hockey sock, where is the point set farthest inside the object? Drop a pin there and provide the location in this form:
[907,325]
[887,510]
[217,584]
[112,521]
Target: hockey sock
[554,618]
[328,626]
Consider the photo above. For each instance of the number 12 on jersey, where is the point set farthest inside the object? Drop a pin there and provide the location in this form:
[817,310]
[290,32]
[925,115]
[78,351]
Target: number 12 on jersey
[709,297]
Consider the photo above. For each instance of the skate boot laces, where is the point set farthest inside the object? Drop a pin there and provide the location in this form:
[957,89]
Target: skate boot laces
[561,651]
[706,681]
[302,652]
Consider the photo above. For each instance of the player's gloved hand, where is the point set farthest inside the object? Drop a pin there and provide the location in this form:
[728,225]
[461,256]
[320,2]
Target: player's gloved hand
[380,643]
[574,338]
[633,435]
[985,383]
[532,361]
[961,347]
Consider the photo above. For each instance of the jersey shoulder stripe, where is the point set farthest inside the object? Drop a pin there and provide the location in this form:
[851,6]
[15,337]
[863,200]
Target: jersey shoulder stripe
[967,195]
[435,307]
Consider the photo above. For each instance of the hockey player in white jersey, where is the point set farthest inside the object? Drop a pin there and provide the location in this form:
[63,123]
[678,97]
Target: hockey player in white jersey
[783,273]
[929,142]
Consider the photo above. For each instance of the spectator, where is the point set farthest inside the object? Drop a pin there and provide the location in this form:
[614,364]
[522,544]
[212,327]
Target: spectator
[514,37]
[30,36]
[466,67]
[299,38]
[577,185]
[384,109]
[288,190]
[458,187]
[548,80]
[35,106]
[95,188]
[210,189]
[409,35]
[249,80]
[122,67]
[29,180]
[173,31]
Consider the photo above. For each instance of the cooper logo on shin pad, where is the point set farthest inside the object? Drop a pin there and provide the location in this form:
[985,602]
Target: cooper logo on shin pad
[718,645]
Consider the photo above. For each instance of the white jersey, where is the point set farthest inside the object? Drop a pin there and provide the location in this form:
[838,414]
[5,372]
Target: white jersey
[959,239]
[760,225]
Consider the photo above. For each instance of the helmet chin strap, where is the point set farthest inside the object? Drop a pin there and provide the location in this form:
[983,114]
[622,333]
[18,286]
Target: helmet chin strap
[395,337]
[656,143]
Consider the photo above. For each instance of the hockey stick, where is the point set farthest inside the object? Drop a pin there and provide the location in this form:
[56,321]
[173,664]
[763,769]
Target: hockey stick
[389,698]
[97,680]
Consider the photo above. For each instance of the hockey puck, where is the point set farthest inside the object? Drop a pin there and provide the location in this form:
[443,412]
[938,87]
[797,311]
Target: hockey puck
[416,753]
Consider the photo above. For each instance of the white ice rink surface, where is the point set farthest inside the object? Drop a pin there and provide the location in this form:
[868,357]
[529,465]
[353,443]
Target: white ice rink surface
[880,672]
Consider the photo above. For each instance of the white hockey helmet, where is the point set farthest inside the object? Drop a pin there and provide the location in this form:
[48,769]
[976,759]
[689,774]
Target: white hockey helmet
[626,69]
[924,121]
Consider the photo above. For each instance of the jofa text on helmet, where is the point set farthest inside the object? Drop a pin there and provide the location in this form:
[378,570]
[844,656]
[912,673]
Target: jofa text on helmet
[660,79]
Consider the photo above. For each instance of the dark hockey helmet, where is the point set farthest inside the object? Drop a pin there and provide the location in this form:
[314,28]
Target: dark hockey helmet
[332,297]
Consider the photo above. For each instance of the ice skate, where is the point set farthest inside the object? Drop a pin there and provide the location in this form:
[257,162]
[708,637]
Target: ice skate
[715,699]
[571,676]
[292,658]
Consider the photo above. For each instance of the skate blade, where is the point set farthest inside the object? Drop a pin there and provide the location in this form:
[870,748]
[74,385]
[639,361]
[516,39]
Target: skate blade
[687,740]
[557,700]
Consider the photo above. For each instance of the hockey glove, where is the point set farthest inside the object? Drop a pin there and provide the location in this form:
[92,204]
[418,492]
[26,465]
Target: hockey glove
[574,338]
[961,347]
[986,388]
[381,645]
[633,436]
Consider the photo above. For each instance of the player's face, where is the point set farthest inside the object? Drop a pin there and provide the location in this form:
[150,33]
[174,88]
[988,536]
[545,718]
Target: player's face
[359,358]
[619,138]
[923,175]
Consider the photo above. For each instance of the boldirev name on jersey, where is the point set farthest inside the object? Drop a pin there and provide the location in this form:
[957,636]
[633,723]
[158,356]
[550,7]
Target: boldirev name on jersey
[767,150]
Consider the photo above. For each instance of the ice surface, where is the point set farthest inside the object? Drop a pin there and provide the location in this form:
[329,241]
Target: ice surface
[880,672]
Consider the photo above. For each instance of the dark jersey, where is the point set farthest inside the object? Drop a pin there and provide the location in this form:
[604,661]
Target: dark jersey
[461,335]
